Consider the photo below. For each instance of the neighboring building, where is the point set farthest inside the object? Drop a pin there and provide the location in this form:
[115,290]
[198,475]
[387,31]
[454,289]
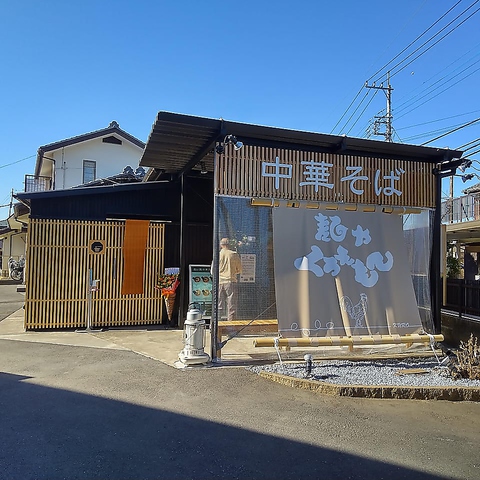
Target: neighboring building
[91,158]
[461,216]
[3,225]
[84,158]
[13,235]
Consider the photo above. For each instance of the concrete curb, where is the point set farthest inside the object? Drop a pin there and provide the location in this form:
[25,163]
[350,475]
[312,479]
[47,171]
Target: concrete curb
[453,394]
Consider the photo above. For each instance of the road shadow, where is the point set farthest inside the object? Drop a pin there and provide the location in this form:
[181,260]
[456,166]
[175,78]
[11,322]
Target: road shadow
[51,433]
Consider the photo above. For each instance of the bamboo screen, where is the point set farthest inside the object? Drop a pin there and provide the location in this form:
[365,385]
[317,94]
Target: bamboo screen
[324,177]
[59,259]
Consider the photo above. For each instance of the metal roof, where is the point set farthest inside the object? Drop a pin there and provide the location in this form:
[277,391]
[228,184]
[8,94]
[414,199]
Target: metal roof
[113,128]
[85,190]
[177,143]
[464,232]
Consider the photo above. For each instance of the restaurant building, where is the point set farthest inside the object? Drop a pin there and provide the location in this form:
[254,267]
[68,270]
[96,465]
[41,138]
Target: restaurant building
[339,238]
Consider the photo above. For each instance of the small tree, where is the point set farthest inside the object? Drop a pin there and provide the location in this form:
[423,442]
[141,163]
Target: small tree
[454,266]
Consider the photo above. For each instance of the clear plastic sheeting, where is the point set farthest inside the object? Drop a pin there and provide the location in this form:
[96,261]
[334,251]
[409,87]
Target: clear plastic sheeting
[417,230]
[249,230]
[249,233]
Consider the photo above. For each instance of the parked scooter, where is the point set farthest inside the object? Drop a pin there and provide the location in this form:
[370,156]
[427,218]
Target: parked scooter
[16,267]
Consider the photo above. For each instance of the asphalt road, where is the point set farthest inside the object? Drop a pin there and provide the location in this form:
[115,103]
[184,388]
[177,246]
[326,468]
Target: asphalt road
[10,300]
[89,413]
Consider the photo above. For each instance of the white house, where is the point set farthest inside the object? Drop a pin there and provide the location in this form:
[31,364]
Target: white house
[84,158]
[68,163]
[13,234]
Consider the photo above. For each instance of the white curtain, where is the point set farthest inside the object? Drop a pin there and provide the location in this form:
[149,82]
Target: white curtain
[342,273]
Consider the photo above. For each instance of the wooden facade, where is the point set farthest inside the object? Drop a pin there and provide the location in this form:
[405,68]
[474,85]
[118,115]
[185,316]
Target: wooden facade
[59,259]
[325,177]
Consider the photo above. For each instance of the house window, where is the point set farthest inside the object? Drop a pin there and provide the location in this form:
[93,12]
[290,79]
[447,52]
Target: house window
[89,170]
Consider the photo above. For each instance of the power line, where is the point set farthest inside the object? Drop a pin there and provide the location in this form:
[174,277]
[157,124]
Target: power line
[401,65]
[439,93]
[439,120]
[426,92]
[447,69]
[468,143]
[412,100]
[411,43]
[452,131]
[348,108]
[472,147]
[473,153]
[355,111]
[363,111]
[430,39]
[18,161]
[432,132]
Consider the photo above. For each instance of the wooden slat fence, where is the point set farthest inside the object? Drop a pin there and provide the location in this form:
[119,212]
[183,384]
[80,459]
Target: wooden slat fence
[304,175]
[57,275]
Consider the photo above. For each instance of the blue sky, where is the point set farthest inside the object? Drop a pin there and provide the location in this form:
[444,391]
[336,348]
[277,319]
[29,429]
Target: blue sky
[72,67]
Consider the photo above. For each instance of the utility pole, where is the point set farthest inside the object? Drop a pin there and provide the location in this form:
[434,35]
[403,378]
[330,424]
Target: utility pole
[451,200]
[11,204]
[385,119]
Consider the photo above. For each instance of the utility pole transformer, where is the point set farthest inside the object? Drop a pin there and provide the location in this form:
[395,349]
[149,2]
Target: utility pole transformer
[385,119]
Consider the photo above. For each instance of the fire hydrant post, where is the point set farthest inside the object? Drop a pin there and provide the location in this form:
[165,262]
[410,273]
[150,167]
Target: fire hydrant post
[194,339]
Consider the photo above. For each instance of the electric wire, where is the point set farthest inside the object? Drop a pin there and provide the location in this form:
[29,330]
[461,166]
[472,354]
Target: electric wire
[363,111]
[393,73]
[411,43]
[348,108]
[398,136]
[468,143]
[399,66]
[475,145]
[439,120]
[432,132]
[474,153]
[364,131]
[447,79]
[17,161]
[360,90]
[412,101]
[452,131]
[424,91]
[446,69]
[431,46]
[356,109]
[439,93]
[398,34]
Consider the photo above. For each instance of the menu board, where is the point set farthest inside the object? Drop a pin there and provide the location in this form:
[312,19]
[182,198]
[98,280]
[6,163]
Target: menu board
[201,284]
[249,261]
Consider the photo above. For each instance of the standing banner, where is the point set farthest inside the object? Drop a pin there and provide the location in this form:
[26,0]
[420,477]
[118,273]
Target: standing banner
[200,288]
[342,273]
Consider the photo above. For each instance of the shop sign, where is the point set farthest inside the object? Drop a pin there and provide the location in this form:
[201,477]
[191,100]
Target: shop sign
[96,246]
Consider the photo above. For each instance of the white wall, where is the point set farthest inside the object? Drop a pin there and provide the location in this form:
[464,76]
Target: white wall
[110,160]
[13,246]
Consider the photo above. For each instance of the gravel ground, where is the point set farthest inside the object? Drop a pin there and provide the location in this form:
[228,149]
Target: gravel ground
[391,372]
